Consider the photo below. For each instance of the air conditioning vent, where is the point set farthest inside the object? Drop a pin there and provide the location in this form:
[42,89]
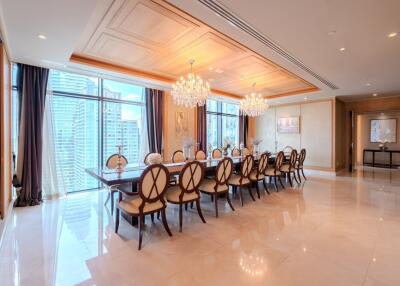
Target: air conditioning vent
[245,27]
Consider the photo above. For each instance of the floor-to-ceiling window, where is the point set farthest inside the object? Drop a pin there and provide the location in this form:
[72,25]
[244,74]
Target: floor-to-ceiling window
[90,117]
[222,123]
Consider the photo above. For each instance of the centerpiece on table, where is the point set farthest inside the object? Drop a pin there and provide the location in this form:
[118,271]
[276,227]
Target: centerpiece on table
[382,145]
[256,143]
[188,144]
[209,151]
[226,147]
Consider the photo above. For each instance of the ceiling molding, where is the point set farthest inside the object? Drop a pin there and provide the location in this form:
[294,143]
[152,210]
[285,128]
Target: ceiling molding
[223,12]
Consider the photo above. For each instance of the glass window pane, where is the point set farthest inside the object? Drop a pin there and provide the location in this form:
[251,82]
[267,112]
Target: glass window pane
[230,108]
[73,83]
[212,130]
[230,130]
[14,74]
[76,130]
[212,105]
[121,126]
[123,91]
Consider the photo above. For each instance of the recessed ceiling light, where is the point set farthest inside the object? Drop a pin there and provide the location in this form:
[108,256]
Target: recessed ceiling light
[374,94]
[331,33]
[305,98]
[391,35]
[342,49]
[211,68]
[368,84]
[42,37]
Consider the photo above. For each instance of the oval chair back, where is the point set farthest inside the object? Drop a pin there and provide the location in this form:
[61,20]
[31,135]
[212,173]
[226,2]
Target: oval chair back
[224,171]
[178,156]
[292,160]
[112,161]
[246,151]
[153,184]
[152,158]
[190,178]
[262,164]
[279,161]
[247,166]
[235,152]
[200,155]
[302,157]
[216,153]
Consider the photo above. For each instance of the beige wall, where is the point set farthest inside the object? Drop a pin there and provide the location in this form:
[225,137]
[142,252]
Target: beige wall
[316,123]
[172,139]
[5,132]
[363,138]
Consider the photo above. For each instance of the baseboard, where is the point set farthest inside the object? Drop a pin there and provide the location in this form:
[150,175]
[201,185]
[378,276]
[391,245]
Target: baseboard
[318,168]
[4,222]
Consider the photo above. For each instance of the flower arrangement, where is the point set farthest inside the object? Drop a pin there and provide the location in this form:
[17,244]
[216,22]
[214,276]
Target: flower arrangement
[382,144]
[255,143]
[227,145]
[188,143]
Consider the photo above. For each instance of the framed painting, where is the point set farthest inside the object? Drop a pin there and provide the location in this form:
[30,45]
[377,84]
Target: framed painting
[383,130]
[288,125]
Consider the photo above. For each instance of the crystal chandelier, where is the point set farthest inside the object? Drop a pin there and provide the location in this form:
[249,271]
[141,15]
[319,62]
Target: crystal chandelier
[253,105]
[190,92]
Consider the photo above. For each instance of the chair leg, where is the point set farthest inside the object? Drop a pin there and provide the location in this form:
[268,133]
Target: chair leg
[276,184]
[302,171]
[216,204]
[158,215]
[112,202]
[117,220]
[294,175]
[290,179]
[108,197]
[265,187]
[229,201]
[199,210]
[241,196]
[298,174]
[191,205]
[258,190]
[152,217]
[165,223]
[141,224]
[180,217]
[251,193]
[280,182]
[186,206]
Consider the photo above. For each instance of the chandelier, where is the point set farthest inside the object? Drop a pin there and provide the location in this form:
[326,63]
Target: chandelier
[253,105]
[190,92]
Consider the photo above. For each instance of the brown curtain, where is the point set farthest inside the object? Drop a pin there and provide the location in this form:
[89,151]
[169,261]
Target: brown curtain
[243,129]
[32,86]
[202,127]
[154,113]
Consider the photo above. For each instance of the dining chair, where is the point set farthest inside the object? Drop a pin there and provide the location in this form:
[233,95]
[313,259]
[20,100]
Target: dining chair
[187,190]
[241,179]
[246,151]
[152,158]
[219,184]
[178,156]
[257,174]
[200,155]
[112,163]
[289,168]
[149,198]
[275,172]
[300,163]
[216,153]
[235,152]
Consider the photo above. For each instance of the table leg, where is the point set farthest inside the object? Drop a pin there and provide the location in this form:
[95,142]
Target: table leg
[390,161]
[373,159]
[363,157]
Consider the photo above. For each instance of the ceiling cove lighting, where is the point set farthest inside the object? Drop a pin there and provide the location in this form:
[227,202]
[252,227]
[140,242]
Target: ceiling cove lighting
[342,49]
[392,35]
[42,37]
[190,92]
[253,105]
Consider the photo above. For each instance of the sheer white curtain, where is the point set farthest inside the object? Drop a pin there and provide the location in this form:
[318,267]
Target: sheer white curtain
[53,185]
[144,138]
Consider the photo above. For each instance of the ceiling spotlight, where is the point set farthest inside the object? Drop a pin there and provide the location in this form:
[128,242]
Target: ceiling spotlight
[368,84]
[211,68]
[391,35]
[374,94]
[305,98]
[42,37]
[331,33]
[342,49]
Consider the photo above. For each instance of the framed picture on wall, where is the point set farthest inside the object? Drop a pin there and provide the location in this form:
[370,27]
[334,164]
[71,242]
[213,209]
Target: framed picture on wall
[288,124]
[383,130]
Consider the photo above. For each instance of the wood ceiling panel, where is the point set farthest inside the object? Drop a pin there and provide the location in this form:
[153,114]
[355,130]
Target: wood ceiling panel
[156,38]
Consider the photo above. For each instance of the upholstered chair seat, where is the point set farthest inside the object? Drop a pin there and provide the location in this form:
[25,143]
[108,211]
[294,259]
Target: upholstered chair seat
[235,180]
[255,177]
[271,172]
[173,194]
[132,206]
[285,168]
[208,186]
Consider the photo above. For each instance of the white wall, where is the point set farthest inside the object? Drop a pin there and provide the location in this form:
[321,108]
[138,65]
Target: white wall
[316,123]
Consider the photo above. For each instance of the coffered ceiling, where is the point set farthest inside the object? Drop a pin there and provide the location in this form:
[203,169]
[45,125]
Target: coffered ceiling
[157,38]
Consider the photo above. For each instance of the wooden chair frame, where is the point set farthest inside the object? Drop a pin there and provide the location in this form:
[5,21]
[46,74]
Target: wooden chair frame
[200,152]
[147,199]
[237,150]
[260,170]
[214,152]
[245,170]
[174,155]
[113,189]
[300,164]
[277,168]
[292,167]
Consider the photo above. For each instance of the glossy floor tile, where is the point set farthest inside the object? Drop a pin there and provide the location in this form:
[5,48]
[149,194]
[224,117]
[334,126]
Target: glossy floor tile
[330,230]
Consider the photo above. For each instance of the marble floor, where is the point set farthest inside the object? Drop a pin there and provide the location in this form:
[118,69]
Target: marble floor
[330,230]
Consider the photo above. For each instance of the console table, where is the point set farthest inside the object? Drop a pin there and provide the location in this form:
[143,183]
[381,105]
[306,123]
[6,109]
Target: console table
[373,151]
